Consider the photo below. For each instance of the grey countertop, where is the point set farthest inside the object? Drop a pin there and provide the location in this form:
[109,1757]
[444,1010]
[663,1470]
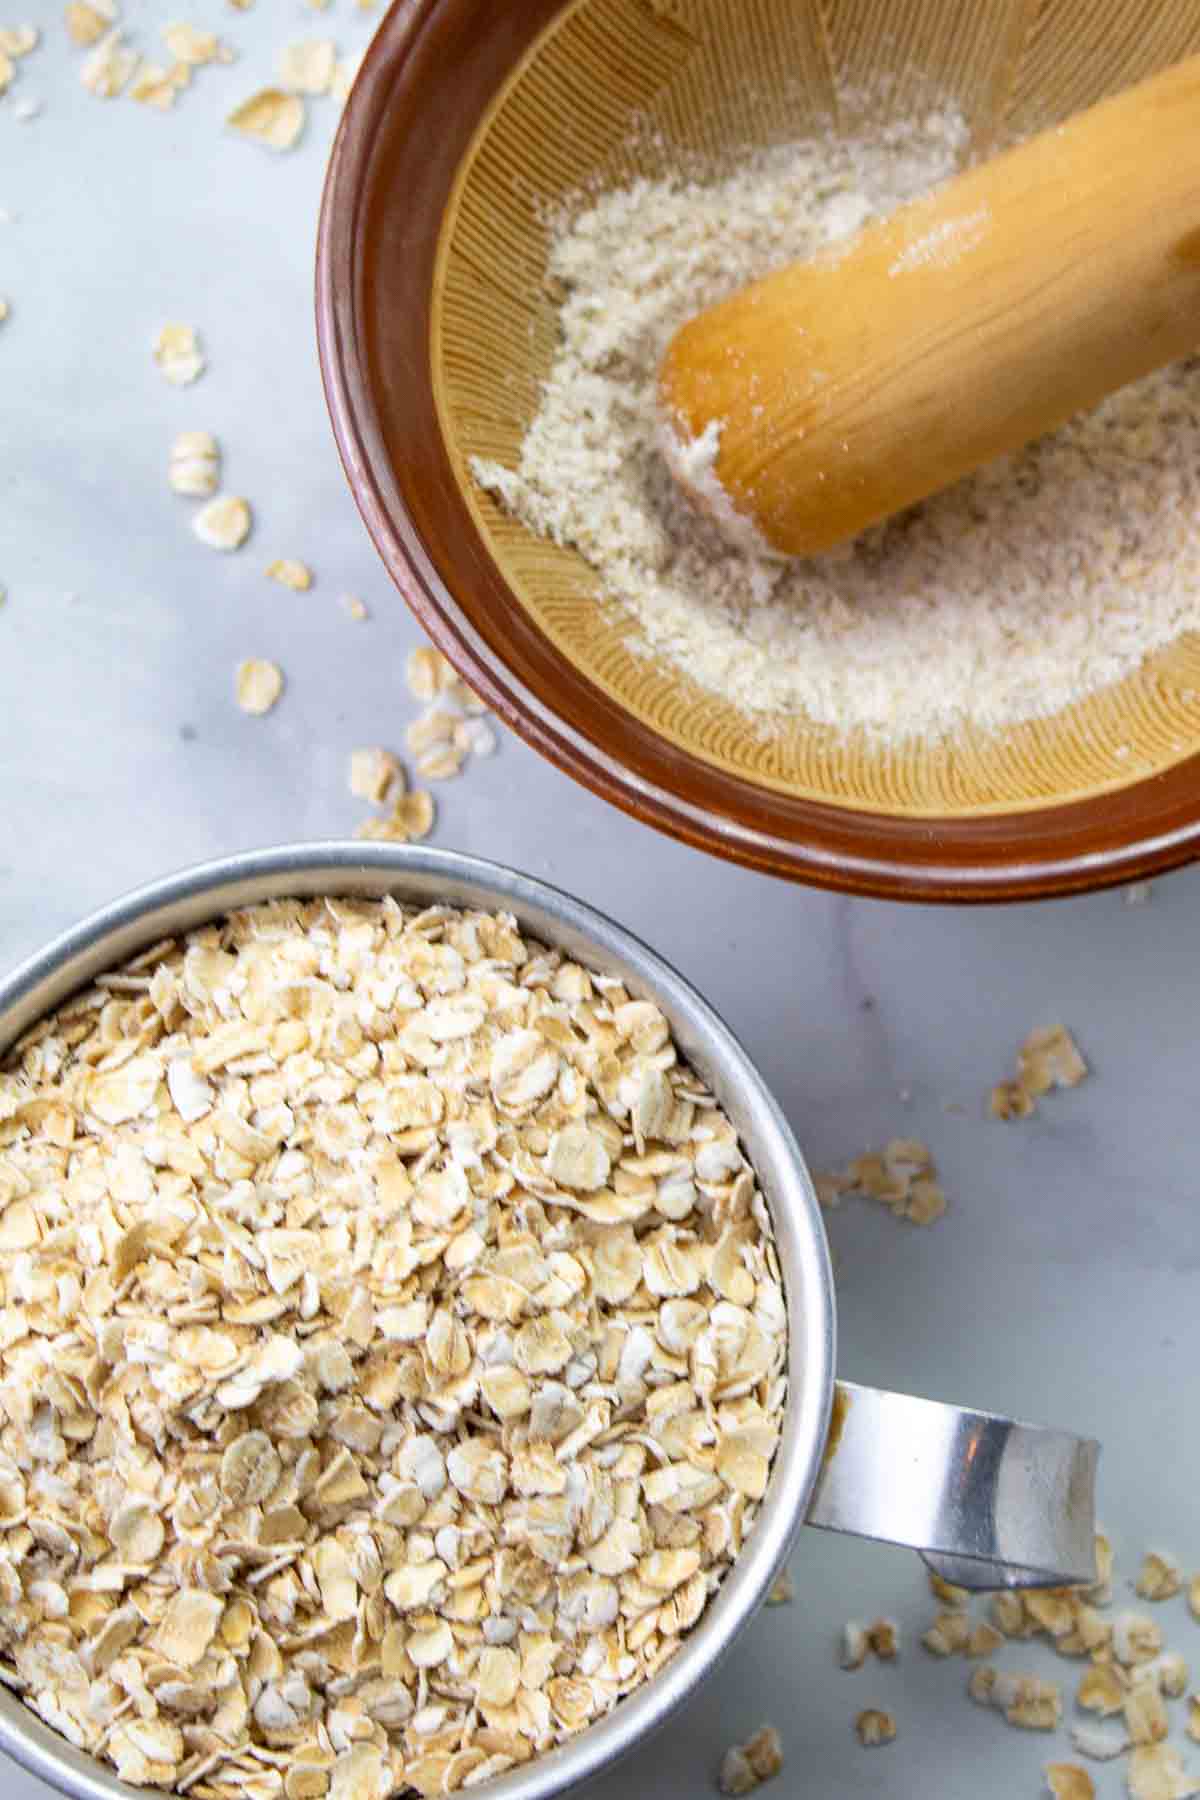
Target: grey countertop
[1057,1285]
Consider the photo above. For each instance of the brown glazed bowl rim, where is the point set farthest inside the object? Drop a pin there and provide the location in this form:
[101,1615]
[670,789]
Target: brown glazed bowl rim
[394,126]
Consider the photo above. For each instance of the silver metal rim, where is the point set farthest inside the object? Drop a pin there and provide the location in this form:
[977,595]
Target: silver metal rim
[203,892]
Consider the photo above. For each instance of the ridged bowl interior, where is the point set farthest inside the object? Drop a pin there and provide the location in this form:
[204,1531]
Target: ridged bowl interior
[469,123]
[622,88]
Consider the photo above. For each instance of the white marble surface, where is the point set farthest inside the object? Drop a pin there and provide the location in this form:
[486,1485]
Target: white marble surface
[1058,1285]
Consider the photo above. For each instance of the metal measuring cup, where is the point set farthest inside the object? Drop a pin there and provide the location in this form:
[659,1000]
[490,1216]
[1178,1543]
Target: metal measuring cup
[988,1502]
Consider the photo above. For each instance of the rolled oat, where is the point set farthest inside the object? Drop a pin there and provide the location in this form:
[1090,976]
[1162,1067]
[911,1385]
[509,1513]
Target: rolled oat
[348,1429]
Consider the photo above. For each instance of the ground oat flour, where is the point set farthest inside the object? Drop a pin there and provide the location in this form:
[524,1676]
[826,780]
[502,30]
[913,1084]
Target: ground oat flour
[1044,577]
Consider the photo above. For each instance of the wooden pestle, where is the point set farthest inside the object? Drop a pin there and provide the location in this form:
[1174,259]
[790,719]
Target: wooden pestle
[834,392]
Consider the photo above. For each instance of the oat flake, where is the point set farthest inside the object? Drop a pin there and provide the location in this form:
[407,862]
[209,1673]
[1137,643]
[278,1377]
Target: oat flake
[178,354]
[258,685]
[224,524]
[271,117]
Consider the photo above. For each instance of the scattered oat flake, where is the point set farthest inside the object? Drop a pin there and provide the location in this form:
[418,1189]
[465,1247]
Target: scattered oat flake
[86,24]
[1101,1743]
[18,40]
[191,46]
[155,86]
[1193,1718]
[291,574]
[782,1590]
[307,67]
[475,737]
[194,464]
[427,672]
[1156,1772]
[902,1177]
[374,774]
[883,1638]
[411,819]
[1159,1577]
[351,604]
[874,1728]
[1101,1690]
[984,1640]
[1067,1781]
[441,762]
[746,1766]
[258,685]
[271,117]
[3,309]
[110,67]
[854,1646]
[178,354]
[26,109]
[224,524]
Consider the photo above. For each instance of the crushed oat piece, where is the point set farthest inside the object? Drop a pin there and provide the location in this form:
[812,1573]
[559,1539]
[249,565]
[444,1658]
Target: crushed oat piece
[1159,1577]
[1067,1781]
[7,71]
[1169,1673]
[782,1590]
[953,1599]
[178,354]
[1146,1714]
[1138,893]
[1008,1100]
[1102,1689]
[1025,1700]
[854,1648]
[3,309]
[984,1640]
[351,604]
[1193,1718]
[1136,1638]
[874,1728]
[746,1766]
[948,1635]
[1102,1743]
[307,67]
[902,1177]
[258,685]
[883,1637]
[1194,1596]
[194,465]
[224,524]
[271,117]
[1156,1772]
[26,109]
[290,574]
[1049,1058]
[110,67]
[374,775]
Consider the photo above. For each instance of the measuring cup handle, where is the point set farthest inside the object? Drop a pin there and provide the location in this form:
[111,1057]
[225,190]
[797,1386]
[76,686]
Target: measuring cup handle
[988,1502]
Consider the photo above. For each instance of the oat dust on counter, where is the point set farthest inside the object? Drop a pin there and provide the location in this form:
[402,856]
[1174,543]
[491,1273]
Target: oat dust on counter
[1044,577]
